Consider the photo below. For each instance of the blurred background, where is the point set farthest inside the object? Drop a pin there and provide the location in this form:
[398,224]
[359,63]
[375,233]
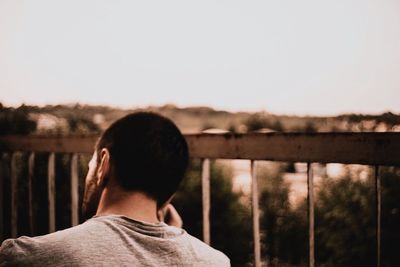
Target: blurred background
[74,67]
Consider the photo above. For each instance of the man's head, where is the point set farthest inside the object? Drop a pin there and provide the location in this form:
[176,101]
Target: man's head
[145,153]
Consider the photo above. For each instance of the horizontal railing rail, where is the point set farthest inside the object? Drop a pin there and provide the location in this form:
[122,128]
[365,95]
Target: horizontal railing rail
[347,148]
[375,149]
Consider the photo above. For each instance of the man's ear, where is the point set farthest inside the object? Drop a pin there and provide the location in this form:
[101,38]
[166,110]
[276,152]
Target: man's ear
[166,203]
[103,170]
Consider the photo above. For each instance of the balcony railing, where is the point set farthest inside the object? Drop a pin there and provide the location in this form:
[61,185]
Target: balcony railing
[376,149]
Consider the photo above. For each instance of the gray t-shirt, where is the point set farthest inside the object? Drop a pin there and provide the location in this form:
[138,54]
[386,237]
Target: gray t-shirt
[112,241]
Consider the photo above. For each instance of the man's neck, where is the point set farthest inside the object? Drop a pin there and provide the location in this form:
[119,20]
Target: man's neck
[134,205]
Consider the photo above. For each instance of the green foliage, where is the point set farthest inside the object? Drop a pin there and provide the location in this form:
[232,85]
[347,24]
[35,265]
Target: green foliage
[197,118]
[230,219]
[390,215]
[15,121]
[259,121]
[346,223]
[308,127]
[345,230]
[81,124]
[284,228]
[388,117]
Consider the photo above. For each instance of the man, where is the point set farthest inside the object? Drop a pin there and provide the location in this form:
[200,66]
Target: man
[137,166]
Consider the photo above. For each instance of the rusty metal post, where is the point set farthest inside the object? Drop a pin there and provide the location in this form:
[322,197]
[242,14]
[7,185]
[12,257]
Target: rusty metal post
[310,198]
[256,215]
[74,190]
[31,173]
[14,196]
[2,178]
[378,194]
[205,187]
[51,192]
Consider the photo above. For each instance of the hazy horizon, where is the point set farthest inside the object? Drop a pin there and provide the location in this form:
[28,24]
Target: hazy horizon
[197,106]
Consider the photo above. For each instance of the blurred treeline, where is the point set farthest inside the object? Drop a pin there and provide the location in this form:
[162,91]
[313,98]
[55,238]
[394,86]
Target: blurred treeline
[345,207]
[85,119]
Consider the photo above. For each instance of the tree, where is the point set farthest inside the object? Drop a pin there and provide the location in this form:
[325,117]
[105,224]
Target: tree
[344,223]
[284,227]
[230,219]
[345,220]
[15,121]
[258,121]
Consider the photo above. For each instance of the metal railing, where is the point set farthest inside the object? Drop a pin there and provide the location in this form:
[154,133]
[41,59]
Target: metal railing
[377,149]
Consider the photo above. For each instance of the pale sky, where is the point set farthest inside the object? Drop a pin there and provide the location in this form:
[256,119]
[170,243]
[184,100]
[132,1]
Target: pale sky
[287,57]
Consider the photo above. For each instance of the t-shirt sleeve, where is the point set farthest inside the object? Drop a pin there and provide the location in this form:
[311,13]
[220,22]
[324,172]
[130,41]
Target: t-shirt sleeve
[26,251]
[224,261]
[10,255]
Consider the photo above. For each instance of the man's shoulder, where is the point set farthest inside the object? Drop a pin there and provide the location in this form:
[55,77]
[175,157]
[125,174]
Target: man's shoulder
[21,251]
[61,236]
[29,250]
[208,253]
[76,243]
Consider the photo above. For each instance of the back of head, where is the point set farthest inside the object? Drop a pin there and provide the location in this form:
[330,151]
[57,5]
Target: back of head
[148,153]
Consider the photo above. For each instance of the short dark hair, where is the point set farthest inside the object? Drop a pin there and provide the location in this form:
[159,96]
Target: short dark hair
[148,154]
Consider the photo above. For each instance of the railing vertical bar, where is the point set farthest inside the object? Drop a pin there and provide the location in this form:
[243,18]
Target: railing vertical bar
[2,177]
[378,194]
[51,192]
[74,190]
[255,215]
[31,170]
[205,187]
[311,217]
[14,196]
